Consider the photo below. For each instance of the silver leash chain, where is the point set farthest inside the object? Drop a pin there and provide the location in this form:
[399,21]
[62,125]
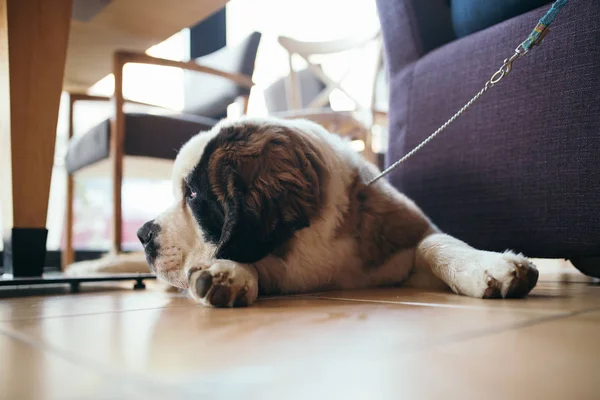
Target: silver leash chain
[497,77]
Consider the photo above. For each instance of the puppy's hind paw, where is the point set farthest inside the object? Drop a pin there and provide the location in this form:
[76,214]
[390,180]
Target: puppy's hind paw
[513,277]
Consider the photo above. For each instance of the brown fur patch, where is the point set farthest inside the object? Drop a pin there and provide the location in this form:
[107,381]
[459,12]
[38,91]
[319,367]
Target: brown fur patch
[276,164]
[382,221]
[276,175]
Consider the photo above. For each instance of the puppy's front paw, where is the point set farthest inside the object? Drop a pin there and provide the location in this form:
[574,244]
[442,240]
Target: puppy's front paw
[223,284]
[511,276]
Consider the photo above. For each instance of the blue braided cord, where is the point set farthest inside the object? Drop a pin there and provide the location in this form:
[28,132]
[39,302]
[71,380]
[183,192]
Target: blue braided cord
[553,12]
[543,24]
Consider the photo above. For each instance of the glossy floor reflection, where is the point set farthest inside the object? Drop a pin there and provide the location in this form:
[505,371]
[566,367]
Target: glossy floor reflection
[109,342]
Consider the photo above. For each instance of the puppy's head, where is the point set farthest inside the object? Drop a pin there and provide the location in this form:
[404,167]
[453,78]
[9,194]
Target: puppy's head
[241,190]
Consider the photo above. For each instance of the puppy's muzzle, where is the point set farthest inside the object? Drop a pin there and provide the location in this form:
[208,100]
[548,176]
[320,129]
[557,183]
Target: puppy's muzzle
[147,236]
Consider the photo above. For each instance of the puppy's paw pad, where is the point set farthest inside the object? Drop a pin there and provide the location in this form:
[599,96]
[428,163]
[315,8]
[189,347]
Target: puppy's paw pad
[220,296]
[223,284]
[203,283]
[513,277]
[493,290]
[524,279]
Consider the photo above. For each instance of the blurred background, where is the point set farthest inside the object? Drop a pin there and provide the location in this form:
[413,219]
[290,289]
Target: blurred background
[146,185]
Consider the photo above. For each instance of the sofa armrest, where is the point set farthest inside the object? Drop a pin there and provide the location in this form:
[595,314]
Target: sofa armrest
[412,28]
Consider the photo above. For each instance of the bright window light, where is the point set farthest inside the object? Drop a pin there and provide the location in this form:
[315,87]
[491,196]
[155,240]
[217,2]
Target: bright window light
[309,20]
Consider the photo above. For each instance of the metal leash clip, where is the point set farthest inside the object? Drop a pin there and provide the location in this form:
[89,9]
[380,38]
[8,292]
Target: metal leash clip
[505,68]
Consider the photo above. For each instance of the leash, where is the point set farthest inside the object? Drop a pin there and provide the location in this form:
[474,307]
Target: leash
[535,38]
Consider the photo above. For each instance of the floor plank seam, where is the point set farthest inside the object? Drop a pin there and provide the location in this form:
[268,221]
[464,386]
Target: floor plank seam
[462,337]
[594,284]
[122,378]
[437,305]
[477,334]
[94,313]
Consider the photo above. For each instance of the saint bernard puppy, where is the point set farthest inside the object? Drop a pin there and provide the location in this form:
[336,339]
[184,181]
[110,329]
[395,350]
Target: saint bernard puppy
[268,206]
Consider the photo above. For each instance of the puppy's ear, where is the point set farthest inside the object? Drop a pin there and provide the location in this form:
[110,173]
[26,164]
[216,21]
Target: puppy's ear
[270,181]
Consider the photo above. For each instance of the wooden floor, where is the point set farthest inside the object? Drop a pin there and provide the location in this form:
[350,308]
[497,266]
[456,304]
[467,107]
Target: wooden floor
[371,344]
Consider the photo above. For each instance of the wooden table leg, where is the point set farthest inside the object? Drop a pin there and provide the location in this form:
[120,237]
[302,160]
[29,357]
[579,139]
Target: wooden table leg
[35,33]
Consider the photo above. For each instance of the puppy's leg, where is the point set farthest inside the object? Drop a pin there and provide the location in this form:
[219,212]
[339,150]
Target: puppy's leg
[473,272]
[223,283]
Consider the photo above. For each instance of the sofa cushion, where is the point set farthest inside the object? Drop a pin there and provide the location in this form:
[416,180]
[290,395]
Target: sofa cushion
[147,135]
[469,16]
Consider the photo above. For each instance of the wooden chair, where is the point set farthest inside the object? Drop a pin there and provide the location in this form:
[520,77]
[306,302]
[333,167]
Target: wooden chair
[219,79]
[315,106]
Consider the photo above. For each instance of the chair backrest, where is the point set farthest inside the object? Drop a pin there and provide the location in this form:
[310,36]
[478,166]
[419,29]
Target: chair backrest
[209,95]
[276,96]
[306,50]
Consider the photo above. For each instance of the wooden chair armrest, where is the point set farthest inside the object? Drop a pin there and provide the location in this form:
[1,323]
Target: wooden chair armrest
[125,57]
[74,97]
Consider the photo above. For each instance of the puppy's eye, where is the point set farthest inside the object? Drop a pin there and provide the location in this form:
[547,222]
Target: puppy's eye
[189,193]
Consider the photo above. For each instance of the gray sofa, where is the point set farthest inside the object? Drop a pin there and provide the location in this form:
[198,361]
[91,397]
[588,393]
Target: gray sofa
[521,169]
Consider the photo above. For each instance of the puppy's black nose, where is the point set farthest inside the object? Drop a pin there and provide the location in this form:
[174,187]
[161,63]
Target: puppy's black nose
[147,232]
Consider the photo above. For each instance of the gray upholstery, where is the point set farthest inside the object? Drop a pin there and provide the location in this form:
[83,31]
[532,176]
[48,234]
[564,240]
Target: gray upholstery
[276,93]
[209,95]
[148,135]
[521,168]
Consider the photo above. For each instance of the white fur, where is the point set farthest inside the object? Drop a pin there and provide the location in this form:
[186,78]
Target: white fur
[318,259]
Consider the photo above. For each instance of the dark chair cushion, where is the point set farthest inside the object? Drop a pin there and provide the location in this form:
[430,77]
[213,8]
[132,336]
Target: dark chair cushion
[469,16]
[146,135]
[209,95]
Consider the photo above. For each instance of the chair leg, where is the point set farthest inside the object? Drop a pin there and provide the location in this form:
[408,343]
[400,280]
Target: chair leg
[117,221]
[68,255]
[243,101]
[116,154]
[238,108]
